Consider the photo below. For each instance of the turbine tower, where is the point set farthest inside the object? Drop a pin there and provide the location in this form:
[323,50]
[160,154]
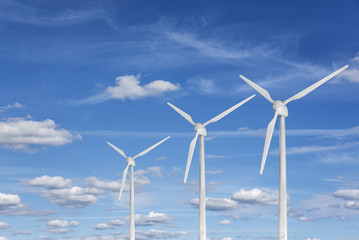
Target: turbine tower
[131,162]
[280,109]
[200,130]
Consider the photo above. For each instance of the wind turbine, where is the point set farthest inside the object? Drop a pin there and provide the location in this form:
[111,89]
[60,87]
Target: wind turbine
[131,162]
[280,109]
[200,130]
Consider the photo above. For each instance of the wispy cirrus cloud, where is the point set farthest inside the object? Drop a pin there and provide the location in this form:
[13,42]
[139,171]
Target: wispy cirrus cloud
[21,12]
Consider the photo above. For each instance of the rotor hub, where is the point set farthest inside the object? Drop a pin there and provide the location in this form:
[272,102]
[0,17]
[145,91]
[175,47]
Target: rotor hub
[280,108]
[200,129]
[131,161]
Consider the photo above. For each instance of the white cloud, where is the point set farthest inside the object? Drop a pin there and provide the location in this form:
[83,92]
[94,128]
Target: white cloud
[206,86]
[21,232]
[224,222]
[117,222]
[153,218]
[56,230]
[43,237]
[158,234]
[255,196]
[352,73]
[10,106]
[217,204]
[103,226]
[56,223]
[9,200]
[23,134]
[312,239]
[3,238]
[305,219]
[128,87]
[10,204]
[352,205]
[349,194]
[227,238]
[74,197]
[4,225]
[48,182]
[106,185]
[214,172]
[110,225]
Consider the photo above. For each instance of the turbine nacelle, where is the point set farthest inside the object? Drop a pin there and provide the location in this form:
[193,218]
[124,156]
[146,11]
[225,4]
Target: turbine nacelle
[200,129]
[130,161]
[280,108]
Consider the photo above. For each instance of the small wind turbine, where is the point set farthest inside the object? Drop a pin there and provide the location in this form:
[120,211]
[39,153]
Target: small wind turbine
[131,162]
[280,109]
[201,131]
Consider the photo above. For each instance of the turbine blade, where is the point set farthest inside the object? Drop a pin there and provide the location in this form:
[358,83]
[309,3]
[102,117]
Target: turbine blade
[190,155]
[220,116]
[259,89]
[182,113]
[315,85]
[117,149]
[150,148]
[124,174]
[269,135]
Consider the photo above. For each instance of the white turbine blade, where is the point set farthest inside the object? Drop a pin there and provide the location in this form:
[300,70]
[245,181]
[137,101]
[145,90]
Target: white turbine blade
[269,135]
[150,148]
[117,149]
[124,174]
[190,155]
[182,113]
[220,116]
[315,85]
[259,89]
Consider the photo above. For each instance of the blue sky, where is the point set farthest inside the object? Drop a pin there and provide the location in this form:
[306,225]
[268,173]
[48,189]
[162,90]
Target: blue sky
[75,74]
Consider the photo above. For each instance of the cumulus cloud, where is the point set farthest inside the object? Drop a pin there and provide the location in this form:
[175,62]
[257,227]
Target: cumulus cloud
[153,218]
[105,185]
[255,196]
[224,222]
[128,86]
[60,191]
[10,204]
[349,194]
[23,134]
[110,225]
[352,205]
[140,180]
[74,197]
[4,225]
[48,182]
[158,234]
[10,106]
[305,219]
[103,226]
[216,204]
[352,73]
[3,238]
[56,223]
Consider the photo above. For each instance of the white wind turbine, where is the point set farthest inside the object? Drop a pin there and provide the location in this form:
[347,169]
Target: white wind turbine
[280,109]
[131,162]
[201,131]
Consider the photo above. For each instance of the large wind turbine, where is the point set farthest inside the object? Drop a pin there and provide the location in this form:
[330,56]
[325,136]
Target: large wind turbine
[280,109]
[200,130]
[131,162]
